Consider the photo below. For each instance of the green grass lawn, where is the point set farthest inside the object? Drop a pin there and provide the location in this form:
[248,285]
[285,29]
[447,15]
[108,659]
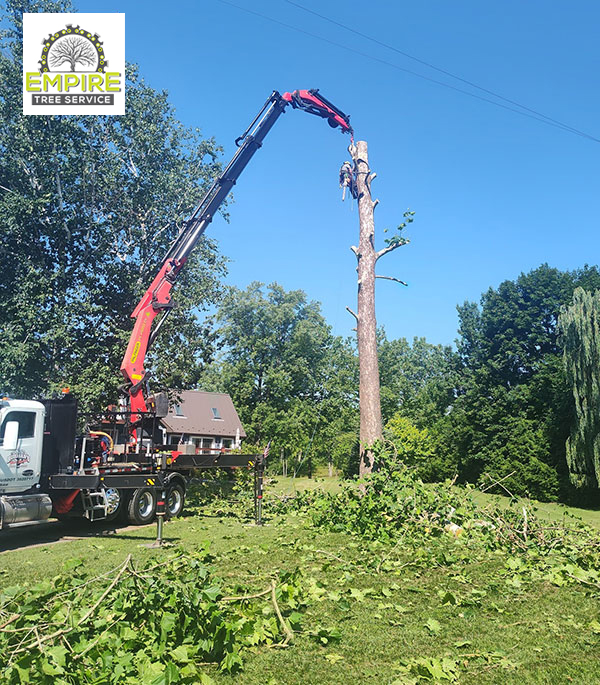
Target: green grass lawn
[390,611]
[289,486]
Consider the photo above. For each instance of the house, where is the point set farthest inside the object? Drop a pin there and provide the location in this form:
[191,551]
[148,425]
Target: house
[202,422]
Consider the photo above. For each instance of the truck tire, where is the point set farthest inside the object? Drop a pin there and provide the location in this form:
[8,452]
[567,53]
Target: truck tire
[142,506]
[175,499]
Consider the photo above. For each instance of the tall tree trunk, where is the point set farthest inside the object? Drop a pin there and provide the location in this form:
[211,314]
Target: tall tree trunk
[366,325]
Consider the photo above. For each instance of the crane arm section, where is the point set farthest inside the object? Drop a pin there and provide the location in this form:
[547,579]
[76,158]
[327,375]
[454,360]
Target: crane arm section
[156,301]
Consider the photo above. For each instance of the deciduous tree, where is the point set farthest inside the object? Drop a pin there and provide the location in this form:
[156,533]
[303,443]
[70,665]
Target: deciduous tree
[580,337]
[291,380]
[417,379]
[88,206]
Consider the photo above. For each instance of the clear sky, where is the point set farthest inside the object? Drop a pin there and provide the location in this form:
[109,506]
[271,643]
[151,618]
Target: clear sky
[495,193]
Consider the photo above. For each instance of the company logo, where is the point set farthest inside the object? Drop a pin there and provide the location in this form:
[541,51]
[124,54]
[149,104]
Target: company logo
[79,62]
[18,458]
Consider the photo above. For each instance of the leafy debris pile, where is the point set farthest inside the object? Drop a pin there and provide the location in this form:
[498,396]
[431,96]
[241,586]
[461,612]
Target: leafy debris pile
[393,504]
[156,624]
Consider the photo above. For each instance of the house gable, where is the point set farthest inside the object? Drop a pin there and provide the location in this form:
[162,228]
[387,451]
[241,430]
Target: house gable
[203,414]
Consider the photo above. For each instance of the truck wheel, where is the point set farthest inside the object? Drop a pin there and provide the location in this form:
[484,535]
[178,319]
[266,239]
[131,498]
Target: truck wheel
[115,499]
[175,500]
[142,506]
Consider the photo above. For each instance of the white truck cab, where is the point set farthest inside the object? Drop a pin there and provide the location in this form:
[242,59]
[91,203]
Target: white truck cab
[21,439]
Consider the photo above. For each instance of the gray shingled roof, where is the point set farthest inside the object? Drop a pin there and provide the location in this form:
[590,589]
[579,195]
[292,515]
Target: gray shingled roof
[198,417]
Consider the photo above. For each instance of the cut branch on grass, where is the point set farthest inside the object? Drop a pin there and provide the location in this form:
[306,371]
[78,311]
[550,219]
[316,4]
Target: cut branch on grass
[94,642]
[385,557]
[289,635]
[9,620]
[124,568]
[64,631]
[242,598]
[81,625]
[88,582]
[333,556]
[583,581]
[398,568]
[499,482]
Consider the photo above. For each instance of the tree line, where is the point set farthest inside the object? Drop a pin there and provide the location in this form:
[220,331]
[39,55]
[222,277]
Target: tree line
[499,409]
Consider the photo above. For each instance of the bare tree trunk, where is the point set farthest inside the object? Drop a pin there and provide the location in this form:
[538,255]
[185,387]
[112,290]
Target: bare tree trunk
[366,325]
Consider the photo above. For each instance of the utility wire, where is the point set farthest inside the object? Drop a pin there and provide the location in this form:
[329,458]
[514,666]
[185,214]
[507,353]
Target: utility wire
[442,71]
[542,119]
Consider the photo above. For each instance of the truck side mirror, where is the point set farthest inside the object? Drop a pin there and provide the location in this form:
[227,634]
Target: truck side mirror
[11,435]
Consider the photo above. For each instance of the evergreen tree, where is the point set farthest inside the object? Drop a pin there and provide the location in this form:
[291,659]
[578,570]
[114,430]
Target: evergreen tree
[513,411]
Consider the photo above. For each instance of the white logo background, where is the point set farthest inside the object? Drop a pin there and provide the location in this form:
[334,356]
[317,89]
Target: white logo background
[110,29]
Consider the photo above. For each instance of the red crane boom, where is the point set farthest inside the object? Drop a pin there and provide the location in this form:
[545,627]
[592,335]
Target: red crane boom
[157,298]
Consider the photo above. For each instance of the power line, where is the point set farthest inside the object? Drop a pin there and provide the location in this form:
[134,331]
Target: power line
[542,118]
[442,71]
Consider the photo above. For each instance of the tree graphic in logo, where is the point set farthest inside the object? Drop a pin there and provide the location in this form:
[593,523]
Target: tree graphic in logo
[70,47]
[72,50]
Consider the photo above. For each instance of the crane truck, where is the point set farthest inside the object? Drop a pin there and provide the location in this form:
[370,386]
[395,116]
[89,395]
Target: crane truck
[118,466]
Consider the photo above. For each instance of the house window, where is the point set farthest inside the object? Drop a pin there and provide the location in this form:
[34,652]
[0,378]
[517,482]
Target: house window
[216,415]
[178,410]
[227,443]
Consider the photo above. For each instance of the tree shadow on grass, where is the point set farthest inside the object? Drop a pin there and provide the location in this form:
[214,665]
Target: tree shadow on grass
[49,532]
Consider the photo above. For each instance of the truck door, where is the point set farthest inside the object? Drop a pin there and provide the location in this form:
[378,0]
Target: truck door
[20,466]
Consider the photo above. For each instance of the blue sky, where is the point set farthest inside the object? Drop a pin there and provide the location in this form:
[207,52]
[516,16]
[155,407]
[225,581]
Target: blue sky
[495,193]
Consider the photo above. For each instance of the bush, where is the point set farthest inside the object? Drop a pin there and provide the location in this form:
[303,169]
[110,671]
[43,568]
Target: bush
[386,501]
[417,448]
